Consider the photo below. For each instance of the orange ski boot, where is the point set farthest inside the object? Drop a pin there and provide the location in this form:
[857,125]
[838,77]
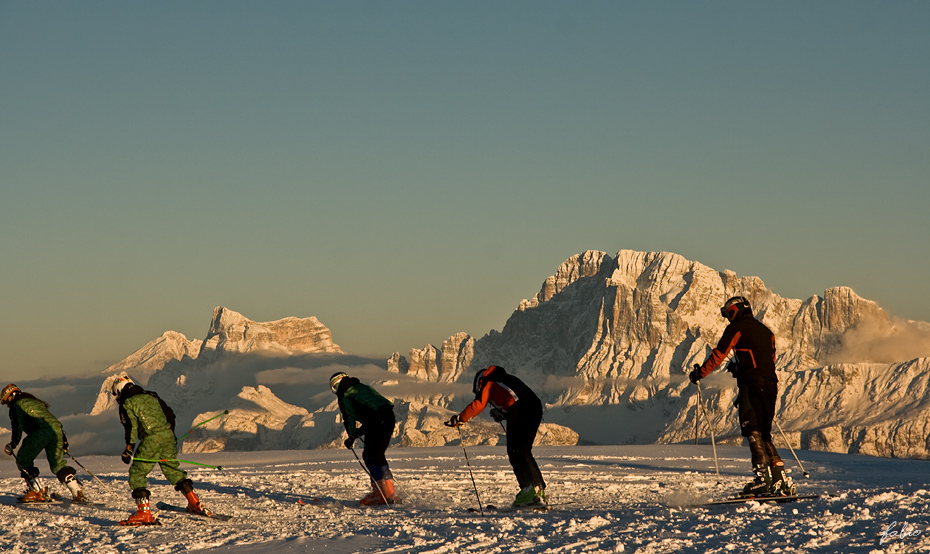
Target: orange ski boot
[143,515]
[382,493]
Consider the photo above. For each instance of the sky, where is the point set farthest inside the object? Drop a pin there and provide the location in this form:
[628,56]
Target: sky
[406,171]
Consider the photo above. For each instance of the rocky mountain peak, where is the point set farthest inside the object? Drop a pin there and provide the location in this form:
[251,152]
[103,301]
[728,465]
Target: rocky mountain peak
[232,332]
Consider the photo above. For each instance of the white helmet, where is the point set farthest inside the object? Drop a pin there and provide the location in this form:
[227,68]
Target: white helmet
[121,381]
[336,379]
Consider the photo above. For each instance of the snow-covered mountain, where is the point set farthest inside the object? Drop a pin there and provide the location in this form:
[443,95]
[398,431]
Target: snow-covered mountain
[610,338]
[241,362]
[605,343]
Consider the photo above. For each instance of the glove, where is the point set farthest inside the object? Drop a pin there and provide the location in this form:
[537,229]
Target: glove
[8,449]
[695,374]
[126,456]
[455,421]
[497,415]
[350,441]
[733,367]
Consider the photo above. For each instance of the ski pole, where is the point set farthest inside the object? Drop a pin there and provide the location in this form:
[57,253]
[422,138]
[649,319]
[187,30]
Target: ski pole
[713,431]
[225,412]
[697,424]
[174,460]
[87,470]
[806,474]
[368,473]
[462,440]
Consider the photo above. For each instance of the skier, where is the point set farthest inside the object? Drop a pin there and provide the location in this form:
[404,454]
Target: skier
[146,416]
[361,404]
[753,365]
[43,432]
[513,401]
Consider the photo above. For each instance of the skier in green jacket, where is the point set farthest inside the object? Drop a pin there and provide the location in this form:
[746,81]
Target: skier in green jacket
[43,432]
[147,418]
[361,404]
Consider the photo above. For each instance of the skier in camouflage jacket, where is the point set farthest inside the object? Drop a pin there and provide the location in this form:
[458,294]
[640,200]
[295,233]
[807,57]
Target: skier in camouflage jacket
[147,418]
[43,431]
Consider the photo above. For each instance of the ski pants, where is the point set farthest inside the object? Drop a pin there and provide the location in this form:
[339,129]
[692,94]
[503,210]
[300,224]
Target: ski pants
[51,439]
[157,446]
[756,403]
[378,433]
[522,424]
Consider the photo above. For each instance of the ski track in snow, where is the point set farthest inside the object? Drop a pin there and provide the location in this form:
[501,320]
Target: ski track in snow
[634,499]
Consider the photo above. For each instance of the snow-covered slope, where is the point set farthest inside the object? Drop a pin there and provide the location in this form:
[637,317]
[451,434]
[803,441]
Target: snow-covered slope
[631,499]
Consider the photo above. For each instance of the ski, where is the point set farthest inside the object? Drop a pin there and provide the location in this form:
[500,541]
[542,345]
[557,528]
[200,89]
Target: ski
[34,502]
[56,499]
[155,523]
[173,508]
[778,499]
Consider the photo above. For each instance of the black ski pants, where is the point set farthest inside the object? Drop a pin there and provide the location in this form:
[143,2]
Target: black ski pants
[377,433]
[522,424]
[756,403]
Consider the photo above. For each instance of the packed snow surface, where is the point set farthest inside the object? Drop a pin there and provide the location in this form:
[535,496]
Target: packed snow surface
[635,499]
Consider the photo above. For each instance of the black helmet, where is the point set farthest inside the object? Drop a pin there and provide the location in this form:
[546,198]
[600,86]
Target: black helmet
[483,376]
[735,307]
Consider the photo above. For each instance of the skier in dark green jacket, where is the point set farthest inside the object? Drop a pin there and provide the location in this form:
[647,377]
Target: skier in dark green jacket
[43,432]
[147,418]
[361,404]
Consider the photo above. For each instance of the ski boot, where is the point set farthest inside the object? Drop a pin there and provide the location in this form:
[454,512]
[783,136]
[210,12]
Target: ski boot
[382,492]
[761,485]
[194,505]
[782,484]
[530,496]
[143,515]
[35,495]
[77,492]
[541,495]
[34,491]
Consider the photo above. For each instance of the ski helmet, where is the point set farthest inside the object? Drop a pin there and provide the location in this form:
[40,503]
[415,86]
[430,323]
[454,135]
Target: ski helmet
[735,307]
[9,391]
[482,377]
[336,379]
[118,384]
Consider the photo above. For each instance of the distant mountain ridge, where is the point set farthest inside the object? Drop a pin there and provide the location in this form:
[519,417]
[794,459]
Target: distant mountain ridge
[606,339]
[619,332]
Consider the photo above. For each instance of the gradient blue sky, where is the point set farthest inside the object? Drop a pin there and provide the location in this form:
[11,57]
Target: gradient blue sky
[404,171]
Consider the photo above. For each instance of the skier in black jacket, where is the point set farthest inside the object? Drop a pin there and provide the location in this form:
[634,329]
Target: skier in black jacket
[753,365]
[365,413]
